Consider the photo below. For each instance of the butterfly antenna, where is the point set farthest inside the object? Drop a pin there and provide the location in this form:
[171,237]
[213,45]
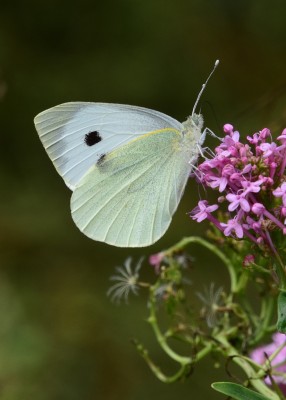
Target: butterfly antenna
[203,87]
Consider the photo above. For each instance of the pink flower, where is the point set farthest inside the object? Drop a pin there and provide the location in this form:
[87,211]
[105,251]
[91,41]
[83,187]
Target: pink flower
[251,187]
[255,139]
[268,149]
[282,137]
[281,192]
[233,225]
[219,182]
[156,259]
[258,355]
[203,210]
[244,175]
[237,200]
[228,129]
[228,145]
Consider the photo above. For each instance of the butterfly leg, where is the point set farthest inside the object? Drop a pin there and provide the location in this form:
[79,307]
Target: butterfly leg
[209,132]
[203,150]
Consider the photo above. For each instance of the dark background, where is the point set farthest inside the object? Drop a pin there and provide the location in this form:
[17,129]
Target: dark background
[60,337]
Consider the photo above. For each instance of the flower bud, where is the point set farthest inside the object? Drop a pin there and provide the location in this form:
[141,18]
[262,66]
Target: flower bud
[248,260]
[260,240]
[264,133]
[258,208]
[228,128]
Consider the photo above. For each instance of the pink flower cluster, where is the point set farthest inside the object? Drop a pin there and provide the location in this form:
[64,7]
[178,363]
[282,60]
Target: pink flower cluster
[278,364]
[251,182]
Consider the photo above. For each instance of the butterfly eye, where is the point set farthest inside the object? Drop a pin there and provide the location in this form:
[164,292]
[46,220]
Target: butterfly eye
[92,138]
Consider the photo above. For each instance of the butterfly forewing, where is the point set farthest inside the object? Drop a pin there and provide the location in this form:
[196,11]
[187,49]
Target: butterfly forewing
[128,198]
[76,135]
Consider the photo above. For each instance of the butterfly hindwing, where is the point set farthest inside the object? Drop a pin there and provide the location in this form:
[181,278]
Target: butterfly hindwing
[76,135]
[128,198]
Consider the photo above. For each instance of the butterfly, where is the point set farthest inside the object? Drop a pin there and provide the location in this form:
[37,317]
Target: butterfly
[127,166]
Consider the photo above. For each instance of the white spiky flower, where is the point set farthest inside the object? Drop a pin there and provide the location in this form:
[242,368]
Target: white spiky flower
[126,281]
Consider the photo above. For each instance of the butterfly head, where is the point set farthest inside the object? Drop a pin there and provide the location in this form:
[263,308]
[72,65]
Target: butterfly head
[197,121]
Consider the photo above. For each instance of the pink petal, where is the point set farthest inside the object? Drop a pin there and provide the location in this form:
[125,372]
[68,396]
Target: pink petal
[231,197]
[239,231]
[233,206]
[244,205]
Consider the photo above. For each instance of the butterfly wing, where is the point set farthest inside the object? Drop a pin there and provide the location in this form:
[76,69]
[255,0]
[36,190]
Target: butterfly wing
[77,134]
[128,198]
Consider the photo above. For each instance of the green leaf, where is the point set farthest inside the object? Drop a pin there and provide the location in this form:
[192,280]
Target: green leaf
[281,303]
[237,392]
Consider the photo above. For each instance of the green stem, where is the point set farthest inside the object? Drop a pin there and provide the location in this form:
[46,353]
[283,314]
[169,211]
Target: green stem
[185,362]
[182,372]
[205,351]
[194,239]
[160,337]
[280,267]
[242,282]
[258,384]
[264,320]
[280,270]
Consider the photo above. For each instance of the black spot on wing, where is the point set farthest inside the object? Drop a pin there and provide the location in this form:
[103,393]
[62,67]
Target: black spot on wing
[92,138]
[101,159]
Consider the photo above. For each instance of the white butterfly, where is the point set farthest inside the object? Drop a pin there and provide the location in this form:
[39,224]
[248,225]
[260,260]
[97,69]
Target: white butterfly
[127,166]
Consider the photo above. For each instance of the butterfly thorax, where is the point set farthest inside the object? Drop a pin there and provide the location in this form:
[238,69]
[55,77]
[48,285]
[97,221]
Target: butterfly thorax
[192,134]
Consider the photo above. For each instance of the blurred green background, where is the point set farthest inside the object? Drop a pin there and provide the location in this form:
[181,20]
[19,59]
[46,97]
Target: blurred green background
[60,337]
